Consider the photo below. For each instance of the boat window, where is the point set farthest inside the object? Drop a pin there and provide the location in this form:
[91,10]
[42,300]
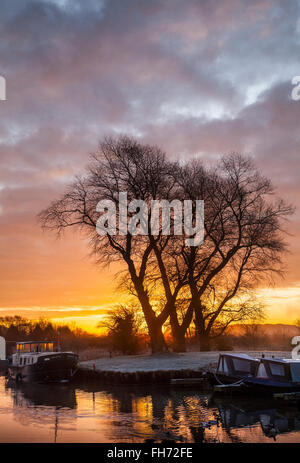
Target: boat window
[295,372]
[223,367]
[242,365]
[220,364]
[261,372]
[277,369]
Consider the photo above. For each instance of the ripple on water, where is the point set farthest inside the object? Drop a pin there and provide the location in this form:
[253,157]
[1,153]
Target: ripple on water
[36,413]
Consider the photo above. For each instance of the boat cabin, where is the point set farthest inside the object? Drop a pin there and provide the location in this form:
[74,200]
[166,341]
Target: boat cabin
[41,362]
[34,346]
[28,352]
[278,369]
[237,365]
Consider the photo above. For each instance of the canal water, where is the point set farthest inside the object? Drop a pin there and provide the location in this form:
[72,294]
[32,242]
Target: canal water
[63,413]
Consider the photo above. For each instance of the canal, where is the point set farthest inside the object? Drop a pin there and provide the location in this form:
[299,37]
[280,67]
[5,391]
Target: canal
[91,413]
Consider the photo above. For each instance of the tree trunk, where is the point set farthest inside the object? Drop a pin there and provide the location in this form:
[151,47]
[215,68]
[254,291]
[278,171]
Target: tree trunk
[157,340]
[179,331]
[203,335]
[178,334]
[178,340]
[204,341]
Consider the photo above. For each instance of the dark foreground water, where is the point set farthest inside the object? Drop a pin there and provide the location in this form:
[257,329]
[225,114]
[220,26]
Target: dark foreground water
[133,414]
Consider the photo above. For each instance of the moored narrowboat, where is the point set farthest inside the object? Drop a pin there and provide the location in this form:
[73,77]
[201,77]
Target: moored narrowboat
[40,362]
[275,375]
[233,367]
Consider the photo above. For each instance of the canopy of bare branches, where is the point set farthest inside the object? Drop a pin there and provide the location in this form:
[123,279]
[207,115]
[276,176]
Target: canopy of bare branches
[211,285]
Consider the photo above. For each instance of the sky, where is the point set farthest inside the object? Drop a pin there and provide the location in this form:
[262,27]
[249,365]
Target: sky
[198,78]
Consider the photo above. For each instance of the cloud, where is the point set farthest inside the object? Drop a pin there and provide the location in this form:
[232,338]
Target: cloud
[196,78]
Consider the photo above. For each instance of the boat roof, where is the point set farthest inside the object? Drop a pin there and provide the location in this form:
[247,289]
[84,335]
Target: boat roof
[280,360]
[237,355]
[34,342]
[46,353]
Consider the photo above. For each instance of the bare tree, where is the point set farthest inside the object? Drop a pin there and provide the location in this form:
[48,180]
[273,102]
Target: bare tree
[220,311]
[243,237]
[142,171]
[123,324]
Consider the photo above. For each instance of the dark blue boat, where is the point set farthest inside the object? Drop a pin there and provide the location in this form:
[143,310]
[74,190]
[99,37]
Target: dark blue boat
[275,375]
[232,368]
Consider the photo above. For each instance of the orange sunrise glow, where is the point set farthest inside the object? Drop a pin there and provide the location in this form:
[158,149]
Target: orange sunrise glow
[179,81]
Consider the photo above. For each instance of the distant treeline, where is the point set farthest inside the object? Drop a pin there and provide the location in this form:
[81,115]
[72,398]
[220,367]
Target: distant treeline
[265,336]
[126,335]
[258,337]
[17,328]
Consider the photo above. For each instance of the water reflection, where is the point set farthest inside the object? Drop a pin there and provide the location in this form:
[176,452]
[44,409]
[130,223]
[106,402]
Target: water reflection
[91,413]
[42,406]
[38,395]
[273,418]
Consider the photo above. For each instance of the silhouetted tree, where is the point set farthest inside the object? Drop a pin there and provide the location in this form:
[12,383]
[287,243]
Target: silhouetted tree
[122,325]
[142,171]
[243,240]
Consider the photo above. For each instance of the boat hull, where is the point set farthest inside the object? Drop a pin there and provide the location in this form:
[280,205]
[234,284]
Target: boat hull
[48,369]
[3,366]
[216,379]
[269,387]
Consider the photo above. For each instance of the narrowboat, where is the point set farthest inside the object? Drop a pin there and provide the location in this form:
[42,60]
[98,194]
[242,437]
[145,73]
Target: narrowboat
[232,368]
[275,375]
[40,362]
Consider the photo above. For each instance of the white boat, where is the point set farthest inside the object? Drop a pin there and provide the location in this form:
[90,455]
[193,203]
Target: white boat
[39,362]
